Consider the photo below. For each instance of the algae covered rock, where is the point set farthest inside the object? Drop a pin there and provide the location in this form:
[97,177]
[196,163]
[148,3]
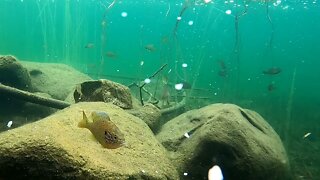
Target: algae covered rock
[240,141]
[149,113]
[55,147]
[103,90]
[13,74]
[57,80]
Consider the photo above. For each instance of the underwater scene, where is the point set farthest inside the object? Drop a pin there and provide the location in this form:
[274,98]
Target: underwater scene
[166,89]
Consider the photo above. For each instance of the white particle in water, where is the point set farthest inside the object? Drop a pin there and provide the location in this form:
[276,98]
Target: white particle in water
[228,11]
[306,135]
[147,80]
[215,173]
[186,135]
[124,14]
[178,86]
[9,124]
[277,3]
[184,65]
[190,23]
[179,18]
[185,174]
[285,7]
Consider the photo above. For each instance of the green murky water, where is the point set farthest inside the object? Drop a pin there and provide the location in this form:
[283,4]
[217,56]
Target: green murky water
[221,48]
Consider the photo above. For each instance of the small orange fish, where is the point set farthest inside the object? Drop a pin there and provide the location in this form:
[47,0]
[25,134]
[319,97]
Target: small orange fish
[103,129]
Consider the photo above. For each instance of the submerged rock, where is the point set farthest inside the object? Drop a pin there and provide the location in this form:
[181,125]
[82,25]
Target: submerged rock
[103,90]
[55,147]
[12,73]
[57,80]
[149,113]
[238,140]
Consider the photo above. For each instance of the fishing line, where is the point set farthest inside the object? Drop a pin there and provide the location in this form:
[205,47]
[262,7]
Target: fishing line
[272,28]
[169,7]
[103,32]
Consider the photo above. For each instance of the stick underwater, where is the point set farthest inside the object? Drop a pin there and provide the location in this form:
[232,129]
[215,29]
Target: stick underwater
[30,97]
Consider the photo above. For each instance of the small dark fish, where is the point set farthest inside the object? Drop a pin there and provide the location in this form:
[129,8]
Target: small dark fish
[150,47]
[111,54]
[271,87]
[35,72]
[89,46]
[165,96]
[103,129]
[272,71]
[223,73]
[222,64]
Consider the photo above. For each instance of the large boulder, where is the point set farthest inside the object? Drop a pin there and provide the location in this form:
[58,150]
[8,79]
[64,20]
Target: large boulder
[56,148]
[12,73]
[57,80]
[105,91]
[238,140]
[149,113]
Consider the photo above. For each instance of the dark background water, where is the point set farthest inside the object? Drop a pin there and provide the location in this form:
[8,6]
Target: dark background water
[58,31]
